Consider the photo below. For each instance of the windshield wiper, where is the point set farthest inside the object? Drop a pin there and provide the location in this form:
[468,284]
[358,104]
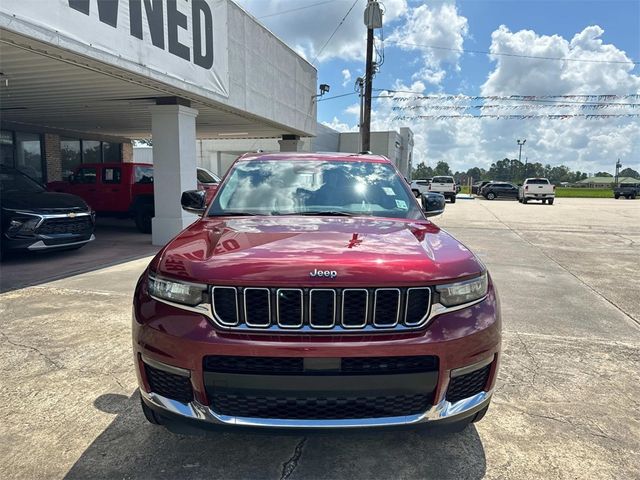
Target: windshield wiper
[320,213]
[234,214]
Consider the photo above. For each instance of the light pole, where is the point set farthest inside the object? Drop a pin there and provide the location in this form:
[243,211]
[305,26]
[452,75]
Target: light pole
[618,167]
[520,144]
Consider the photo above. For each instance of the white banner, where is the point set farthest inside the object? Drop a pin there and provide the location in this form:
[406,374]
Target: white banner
[185,40]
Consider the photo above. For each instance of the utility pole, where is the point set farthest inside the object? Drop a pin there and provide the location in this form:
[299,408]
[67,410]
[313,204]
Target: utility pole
[520,144]
[618,167]
[360,87]
[372,20]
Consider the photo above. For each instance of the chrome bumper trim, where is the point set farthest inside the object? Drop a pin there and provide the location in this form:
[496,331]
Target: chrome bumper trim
[40,245]
[196,411]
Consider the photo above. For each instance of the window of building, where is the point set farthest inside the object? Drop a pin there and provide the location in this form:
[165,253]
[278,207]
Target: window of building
[91,151]
[110,152]
[86,175]
[111,175]
[29,155]
[6,148]
[70,154]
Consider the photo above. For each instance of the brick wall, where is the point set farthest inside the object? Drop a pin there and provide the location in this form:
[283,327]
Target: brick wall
[127,152]
[52,157]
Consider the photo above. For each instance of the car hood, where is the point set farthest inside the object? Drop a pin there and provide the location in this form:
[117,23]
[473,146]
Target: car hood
[285,250]
[42,202]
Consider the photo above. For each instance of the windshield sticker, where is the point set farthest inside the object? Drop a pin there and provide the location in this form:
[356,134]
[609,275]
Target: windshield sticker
[401,204]
[389,191]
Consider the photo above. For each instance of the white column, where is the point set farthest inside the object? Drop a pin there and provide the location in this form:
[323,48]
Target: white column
[290,143]
[173,129]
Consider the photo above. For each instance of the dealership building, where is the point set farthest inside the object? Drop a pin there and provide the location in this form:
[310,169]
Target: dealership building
[80,78]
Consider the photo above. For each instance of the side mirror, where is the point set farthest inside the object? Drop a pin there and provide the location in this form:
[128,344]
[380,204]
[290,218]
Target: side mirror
[433,204]
[194,201]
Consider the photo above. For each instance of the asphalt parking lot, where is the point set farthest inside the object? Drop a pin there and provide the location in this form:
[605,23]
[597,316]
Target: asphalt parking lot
[566,404]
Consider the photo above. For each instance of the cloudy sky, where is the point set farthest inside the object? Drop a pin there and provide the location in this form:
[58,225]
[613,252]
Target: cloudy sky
[598,31]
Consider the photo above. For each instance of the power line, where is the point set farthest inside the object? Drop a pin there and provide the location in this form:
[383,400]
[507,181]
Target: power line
[295,9]
[323,99]
[464,50]
[334,32]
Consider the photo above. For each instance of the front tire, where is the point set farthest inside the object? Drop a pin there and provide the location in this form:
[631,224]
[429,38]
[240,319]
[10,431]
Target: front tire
[550,201]
[524,200]
[144,214]
[453,199]
[491,196]
[616,196]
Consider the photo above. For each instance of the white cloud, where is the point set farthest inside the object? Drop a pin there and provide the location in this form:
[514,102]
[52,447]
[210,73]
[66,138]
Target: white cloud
[527,76]
[581,144]
[340,126]
[346,77]
[437,26]
[309,29]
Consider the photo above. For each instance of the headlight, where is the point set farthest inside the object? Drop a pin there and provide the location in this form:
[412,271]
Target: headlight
[22,225]
[463,292]
[180,292]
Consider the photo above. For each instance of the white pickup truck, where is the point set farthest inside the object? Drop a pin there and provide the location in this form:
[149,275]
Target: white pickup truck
[445,186]
[537,189]
[418,187]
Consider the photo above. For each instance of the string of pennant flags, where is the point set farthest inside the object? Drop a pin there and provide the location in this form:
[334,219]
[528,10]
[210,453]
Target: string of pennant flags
[404,118]
[526,98]
[461,108]
[425,107]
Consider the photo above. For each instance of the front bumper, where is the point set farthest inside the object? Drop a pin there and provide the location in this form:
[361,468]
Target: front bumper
[443,412]
[178,341]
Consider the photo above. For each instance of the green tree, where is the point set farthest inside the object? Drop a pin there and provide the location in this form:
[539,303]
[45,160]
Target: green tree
[629,172]
[422,172]
[442,168]
[602,174]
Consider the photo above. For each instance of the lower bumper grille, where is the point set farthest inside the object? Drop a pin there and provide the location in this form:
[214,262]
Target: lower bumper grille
[311,366]
[319,408]
[468,385]
[169,385]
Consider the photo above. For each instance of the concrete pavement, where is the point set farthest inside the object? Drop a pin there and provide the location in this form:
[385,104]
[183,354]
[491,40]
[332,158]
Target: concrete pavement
[566,404]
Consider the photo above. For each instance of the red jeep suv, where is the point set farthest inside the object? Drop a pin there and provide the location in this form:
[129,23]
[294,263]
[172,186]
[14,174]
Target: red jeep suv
[314,293]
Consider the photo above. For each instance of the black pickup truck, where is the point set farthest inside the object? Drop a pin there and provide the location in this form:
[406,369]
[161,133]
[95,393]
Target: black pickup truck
[627,190]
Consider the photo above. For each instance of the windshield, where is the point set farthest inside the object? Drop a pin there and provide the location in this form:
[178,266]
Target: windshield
[442,180]
[538,181]
[308,187]
[11,181]
[205,176]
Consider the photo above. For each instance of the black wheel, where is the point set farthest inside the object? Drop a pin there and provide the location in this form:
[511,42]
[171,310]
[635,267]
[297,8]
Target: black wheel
[633,197]
[616,196]
[144,214]
[524,200]
[550,201]
[416,193]
[149,414]
[491,196]
[480,415]
[628,197]
[453,199]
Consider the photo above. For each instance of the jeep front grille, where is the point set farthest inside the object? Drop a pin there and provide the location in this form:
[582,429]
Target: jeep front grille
[320,309]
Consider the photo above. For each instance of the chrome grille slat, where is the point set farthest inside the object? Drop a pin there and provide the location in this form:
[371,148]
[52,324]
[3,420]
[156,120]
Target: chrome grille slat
[348,292]
[281,297]
[250,296]
[312,314]
[413,309]
[320,309]
[219,312]
[379,308]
